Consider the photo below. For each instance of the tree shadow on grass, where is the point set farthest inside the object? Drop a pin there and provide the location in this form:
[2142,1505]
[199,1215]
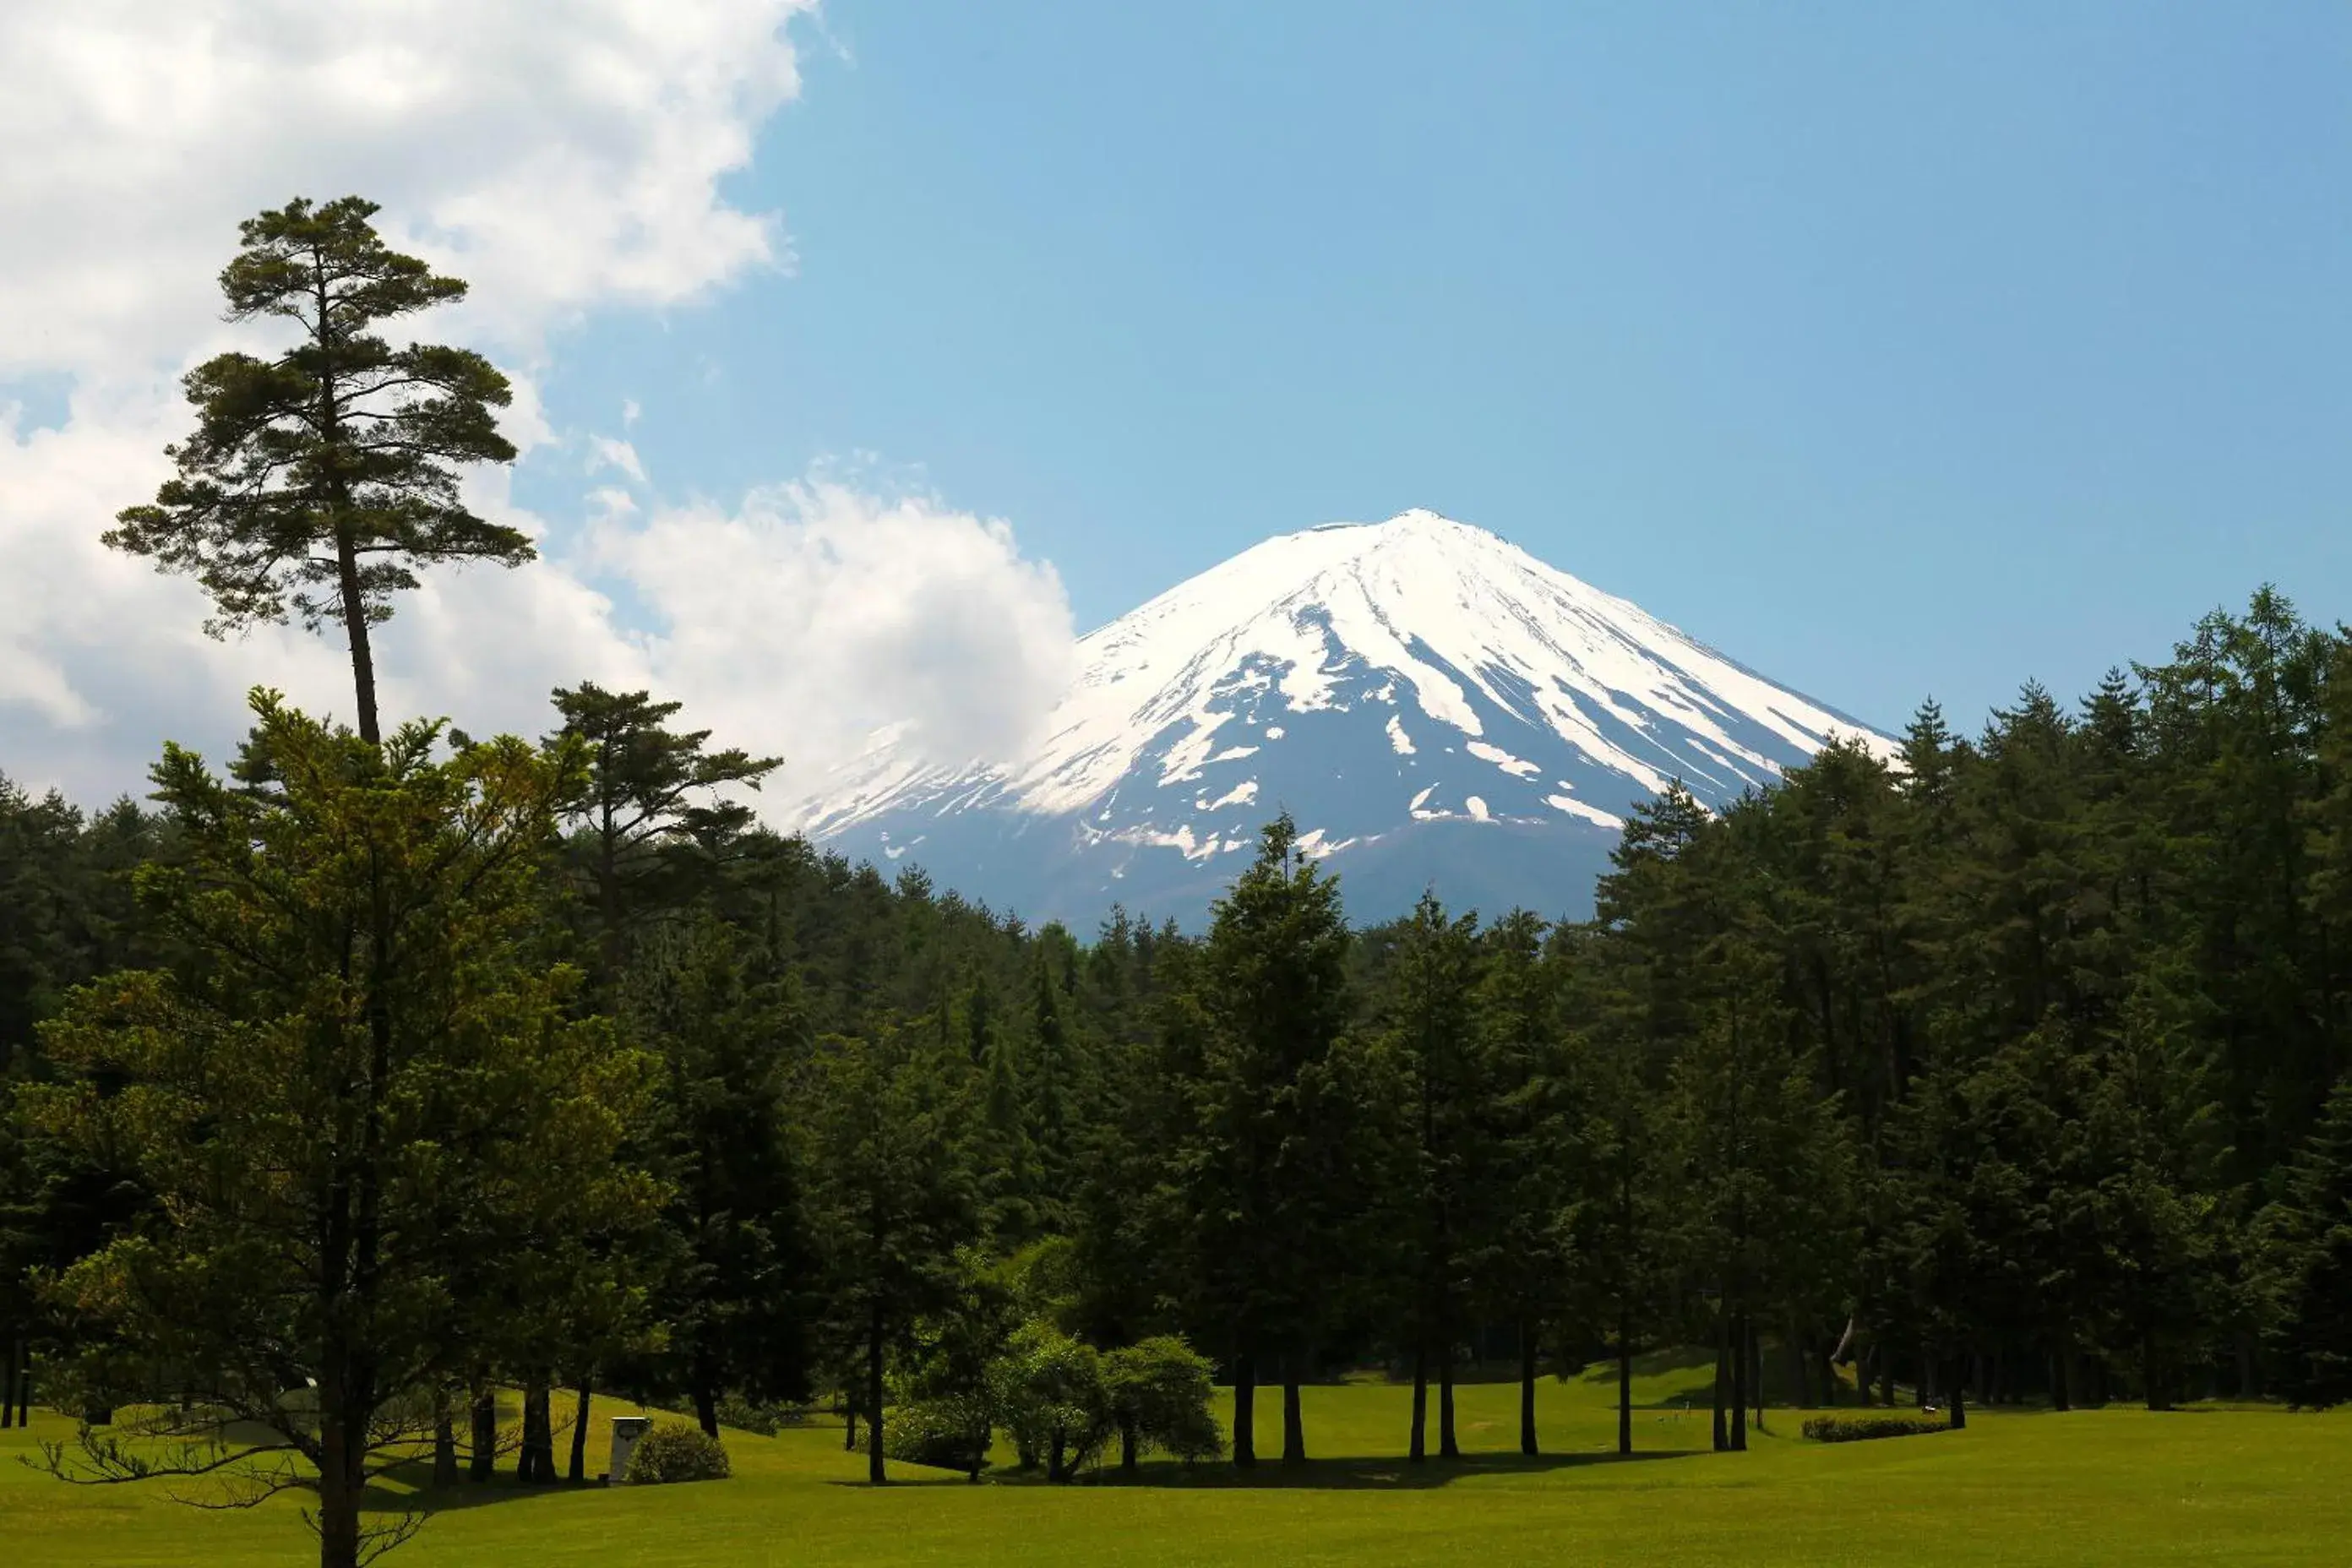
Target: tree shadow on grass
[1380,1473]
[409,1488]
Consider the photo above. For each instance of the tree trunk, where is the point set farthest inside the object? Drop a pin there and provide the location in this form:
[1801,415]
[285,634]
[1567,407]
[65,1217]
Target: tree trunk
[535,1463]
[579,1430]
[706,1409]
[2246,1379]
[1737,1351]
[1799,1364]
[1755,1370]
[1246,1412]
[874,1473]
[1960,1398]
[527,1449]
[1293,1424]
[1722,1379]
[1447,1447]
[355,624]
[485,1457]
[338,1472]
[1415,1452]
[1625,1390]
[1127,1447]
[2062,1369]
[8,1388]
[444,1440]
[1527,1445]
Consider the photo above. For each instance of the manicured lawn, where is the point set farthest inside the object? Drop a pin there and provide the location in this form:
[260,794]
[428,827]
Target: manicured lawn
[2236,1486]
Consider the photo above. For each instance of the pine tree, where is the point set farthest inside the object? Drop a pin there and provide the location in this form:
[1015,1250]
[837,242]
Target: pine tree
[737,1295]
[318,482]
[892,1199]
[356,1080]
[1429,1033]
[2306,1236]
[1267,1162]
[656,815]
[1539,1176]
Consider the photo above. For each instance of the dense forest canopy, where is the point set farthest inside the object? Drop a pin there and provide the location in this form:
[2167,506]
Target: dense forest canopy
[380,1072]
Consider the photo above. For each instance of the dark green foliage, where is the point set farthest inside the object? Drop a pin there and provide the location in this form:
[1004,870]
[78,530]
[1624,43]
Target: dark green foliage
[650,829]
[2307,1246]
[893,1199]
[357,1077]
[736,1288]
[316,483]
[1443,1188]
[2001,1074]
[945,1432]
[1279,1201]
[675,1451]
[1860,1428]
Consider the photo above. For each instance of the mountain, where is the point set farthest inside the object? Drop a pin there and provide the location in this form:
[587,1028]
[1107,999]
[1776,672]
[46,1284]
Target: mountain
[1431,704]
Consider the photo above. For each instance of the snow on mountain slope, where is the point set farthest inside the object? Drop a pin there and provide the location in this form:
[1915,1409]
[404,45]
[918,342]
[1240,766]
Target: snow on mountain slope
[1431,703]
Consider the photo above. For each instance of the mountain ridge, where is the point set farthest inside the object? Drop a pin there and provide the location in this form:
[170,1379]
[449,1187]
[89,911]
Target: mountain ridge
[1393,685]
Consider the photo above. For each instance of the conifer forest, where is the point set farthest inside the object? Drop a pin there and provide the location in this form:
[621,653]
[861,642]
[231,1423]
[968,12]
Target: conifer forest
[382,1071]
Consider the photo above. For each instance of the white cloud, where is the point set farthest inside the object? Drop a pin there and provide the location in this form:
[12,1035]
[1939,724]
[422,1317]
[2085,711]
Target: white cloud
[564,159]
[799,622]
[560,157]
[605,452]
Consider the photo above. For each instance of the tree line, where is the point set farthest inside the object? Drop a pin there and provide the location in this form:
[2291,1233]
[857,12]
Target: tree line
[382,1070]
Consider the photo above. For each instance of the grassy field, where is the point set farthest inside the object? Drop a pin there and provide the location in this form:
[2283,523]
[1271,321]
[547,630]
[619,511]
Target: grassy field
[2234,1486]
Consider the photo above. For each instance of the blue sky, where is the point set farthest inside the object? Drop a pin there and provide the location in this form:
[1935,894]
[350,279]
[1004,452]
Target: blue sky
[1893,350]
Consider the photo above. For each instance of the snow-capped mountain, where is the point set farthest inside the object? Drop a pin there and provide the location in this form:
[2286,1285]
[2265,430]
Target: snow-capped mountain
[1433,705]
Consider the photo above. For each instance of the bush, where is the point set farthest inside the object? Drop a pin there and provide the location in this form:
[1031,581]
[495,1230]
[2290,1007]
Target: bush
[744,1416]
[1856,1429]
[675,1451]
[1159,1390]
[1047,1389]
[946,1434]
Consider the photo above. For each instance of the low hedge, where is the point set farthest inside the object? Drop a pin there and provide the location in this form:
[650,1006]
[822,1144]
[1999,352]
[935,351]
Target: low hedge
[675,1451]
[1885,1424]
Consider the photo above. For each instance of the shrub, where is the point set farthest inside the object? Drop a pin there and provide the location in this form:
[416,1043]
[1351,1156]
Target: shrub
[947,1434]
[1855,1428]
[676,1451]
[745,1416]
[1159,1390]
[1049,1391]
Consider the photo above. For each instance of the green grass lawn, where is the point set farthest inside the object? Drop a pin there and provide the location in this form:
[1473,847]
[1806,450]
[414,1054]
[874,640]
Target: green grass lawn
[2236,1486]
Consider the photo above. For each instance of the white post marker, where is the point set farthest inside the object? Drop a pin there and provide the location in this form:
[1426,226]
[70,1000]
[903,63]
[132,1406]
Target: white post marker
[626,1430]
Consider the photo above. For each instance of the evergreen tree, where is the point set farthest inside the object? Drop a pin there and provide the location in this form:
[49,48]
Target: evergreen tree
[650,825]
[893,1200]
[318,482]
[357,1069]
[2306,1236]
[1266,1164]
[730,1046]
[1539,1176]
[1442,1188]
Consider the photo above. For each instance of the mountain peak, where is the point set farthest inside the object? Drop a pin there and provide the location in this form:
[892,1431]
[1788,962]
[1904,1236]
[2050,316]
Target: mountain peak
[1396,685]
